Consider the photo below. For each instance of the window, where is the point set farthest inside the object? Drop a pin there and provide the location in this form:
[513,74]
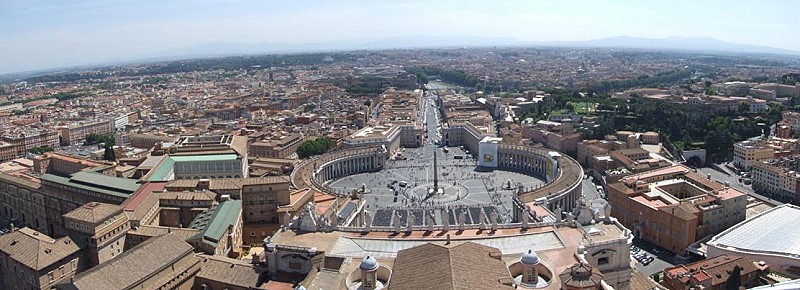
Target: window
[602,261]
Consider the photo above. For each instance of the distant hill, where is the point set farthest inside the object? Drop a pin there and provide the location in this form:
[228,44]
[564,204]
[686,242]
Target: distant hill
[425,41]
[215,49]
[674,43]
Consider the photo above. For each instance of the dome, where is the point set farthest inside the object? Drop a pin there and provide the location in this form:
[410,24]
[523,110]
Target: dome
[369,263]
[529,258]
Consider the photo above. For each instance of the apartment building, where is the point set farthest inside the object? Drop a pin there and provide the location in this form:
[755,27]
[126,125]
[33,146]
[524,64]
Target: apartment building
[7,151]
[749,152]
[75,134]
[777,177]
[25,140]
[674,207]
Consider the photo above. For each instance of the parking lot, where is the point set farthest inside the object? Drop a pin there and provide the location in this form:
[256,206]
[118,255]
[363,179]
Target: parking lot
[660,259]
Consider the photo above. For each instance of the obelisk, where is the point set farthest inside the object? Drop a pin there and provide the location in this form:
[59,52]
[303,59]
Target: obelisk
[435,176]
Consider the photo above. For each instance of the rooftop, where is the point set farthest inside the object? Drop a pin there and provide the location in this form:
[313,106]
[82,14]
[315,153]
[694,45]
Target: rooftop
[36,250]
[133,266]
[114,186]
[430,266]
[760,233]
[214,223]
[94,212]
[228,271]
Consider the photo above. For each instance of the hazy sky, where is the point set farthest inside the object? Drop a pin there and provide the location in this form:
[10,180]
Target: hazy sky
[45,34]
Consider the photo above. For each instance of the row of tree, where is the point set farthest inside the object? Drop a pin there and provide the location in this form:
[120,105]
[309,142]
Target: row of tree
[38,150]
[458,77]
[105,138]
[368,86]
[657,80]
[314,147]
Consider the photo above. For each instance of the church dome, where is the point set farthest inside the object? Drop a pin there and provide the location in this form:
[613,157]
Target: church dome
[529,258]
[369,263]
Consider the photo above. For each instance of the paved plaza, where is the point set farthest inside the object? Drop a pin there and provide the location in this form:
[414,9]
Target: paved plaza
[408,185]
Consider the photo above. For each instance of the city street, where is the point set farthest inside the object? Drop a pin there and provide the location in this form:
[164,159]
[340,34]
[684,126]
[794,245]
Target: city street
[733,181]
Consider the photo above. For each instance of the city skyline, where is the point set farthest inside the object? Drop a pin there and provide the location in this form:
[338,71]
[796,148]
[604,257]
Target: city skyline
[46,34]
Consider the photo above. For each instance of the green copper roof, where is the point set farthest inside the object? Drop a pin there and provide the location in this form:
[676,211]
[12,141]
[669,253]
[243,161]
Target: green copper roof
[95,182]
[213,224]
[160,173]
[204,158]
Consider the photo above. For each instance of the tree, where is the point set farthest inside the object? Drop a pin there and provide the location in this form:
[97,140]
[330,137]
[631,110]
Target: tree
[105,138]
[41,149]
[744,108]
[422,78]
[109,154]
[314,147]
[735,279]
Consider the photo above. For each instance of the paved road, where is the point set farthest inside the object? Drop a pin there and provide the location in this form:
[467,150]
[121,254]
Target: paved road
[733,181]
[661,261]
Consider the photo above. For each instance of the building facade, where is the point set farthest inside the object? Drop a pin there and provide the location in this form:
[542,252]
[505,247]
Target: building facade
[75,134]
[33,260]
[102,227]
[673,207]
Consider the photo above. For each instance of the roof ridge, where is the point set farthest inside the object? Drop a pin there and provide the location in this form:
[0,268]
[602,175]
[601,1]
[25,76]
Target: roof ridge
[450,279]
[38,251]
[126,253]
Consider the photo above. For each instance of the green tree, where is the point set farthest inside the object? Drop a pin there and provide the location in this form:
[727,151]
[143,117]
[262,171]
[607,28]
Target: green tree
[314,147]
[744,108]
[41,149]
[422,78]
[105,138]
[109,154]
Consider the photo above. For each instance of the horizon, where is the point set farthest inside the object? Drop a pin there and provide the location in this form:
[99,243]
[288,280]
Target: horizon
[47,35]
